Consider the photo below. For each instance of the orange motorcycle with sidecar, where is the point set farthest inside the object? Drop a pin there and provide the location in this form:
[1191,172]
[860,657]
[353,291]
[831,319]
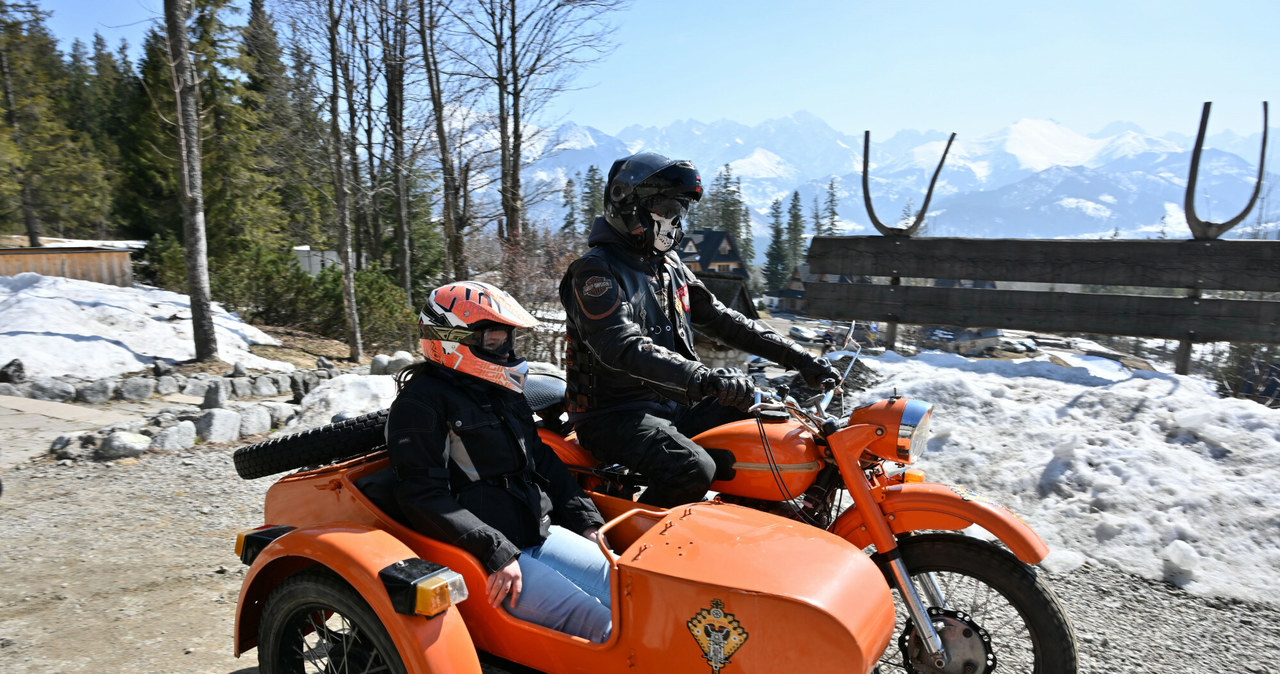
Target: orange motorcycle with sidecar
[771,575]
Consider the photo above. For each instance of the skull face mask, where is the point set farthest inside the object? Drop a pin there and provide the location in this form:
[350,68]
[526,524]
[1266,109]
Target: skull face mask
[667,216]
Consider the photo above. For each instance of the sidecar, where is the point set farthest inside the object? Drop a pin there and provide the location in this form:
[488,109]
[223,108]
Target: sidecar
[704,587]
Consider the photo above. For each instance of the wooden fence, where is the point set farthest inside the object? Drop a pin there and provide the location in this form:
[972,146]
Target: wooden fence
[1213,276]
[102,265]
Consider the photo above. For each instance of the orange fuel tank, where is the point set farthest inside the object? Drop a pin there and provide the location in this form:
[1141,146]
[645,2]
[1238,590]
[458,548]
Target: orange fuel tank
[797,457]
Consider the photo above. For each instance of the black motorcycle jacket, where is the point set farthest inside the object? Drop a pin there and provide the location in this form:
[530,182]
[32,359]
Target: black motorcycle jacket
[630,319]
[471,471]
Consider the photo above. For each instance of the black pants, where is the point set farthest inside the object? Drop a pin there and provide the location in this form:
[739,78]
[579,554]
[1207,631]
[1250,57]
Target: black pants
[658,447]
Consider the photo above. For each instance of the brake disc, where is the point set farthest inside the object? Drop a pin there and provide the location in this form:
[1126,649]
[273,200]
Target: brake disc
[967,644]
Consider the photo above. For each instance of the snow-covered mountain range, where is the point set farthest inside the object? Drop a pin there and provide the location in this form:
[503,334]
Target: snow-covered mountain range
[1032,179]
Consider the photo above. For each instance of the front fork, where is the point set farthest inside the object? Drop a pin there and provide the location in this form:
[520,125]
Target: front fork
[916,607]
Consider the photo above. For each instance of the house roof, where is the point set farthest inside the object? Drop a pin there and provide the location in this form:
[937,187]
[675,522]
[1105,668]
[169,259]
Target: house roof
[703,247]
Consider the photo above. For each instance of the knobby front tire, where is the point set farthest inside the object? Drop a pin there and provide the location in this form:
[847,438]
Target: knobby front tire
[1028,630]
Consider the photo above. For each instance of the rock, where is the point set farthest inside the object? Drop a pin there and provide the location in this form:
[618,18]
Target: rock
[399,361]
[254,420]
[164,419]
[282,381]
[52,390]
[241,387]
[325,364]
[323,375]
[75,447]
[13,373]
[379,364]
[7,389]
[123,445]
[264,386]
[161,368]
[137,388]
[167,384]
[215,395]
[239,371]
[301,383]
[181,435]
[281,413]
[97,391]
[195,388]
[218,425]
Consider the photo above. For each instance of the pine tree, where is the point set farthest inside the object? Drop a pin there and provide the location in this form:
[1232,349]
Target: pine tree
[242,207]
[776,266]
[592,199]
[829,214]
[55,179]
[795,233]
[817,217]
[290,132]
[569,200]
[147,202]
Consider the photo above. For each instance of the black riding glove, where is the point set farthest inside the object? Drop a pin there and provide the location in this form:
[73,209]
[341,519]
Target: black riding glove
[819,372]
[731,388]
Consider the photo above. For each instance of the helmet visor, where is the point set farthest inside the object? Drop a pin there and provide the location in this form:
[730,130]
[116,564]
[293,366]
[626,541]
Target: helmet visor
[491,340]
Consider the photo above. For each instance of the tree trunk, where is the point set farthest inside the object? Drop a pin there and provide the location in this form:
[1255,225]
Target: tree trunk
[340,192]
[187,97]
[515,198]
[428,24]
[29,218]
[395,68]
[502,85]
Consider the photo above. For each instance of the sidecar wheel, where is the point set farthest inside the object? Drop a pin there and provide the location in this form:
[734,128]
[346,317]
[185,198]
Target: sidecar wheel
[345,439]
[314,622]
[1006,618]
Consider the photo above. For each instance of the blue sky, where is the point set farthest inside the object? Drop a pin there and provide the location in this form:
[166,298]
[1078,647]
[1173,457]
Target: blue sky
[971,67]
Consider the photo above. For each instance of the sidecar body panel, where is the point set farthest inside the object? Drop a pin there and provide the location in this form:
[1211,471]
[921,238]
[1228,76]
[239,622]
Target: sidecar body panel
[695,588]
[356,553]
[931,506]
[786,596]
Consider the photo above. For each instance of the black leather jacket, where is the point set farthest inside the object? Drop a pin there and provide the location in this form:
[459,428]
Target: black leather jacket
[631,320]
[471,471]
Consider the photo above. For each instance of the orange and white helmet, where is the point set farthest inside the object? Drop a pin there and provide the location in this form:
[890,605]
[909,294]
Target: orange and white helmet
[467,326]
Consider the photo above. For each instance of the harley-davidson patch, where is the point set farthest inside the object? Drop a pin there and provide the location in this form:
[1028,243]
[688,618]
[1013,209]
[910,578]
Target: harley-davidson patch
[718,634]
[597,286]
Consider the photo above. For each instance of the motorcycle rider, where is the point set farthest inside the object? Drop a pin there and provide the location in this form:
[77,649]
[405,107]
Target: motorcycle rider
[470,470]
[636,388]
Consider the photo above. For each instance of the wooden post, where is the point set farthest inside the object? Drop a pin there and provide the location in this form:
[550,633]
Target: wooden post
[1182,361]
[891,334]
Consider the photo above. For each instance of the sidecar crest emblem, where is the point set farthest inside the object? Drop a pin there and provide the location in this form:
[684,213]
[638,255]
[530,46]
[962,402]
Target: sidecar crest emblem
[718,634]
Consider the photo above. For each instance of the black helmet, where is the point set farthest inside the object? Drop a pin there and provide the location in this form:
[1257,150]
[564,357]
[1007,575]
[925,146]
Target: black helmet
[646,198]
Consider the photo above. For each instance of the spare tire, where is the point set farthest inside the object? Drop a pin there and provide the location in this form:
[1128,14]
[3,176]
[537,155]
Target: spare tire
[314,447]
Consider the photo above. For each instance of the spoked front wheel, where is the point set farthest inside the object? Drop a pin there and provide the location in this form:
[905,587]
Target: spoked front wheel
[993,613]
[314,622]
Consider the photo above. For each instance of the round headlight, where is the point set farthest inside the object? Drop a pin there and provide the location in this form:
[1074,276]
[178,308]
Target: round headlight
[913,430]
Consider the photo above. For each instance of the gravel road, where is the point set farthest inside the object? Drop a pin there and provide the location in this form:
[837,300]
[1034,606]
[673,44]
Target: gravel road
[130,567]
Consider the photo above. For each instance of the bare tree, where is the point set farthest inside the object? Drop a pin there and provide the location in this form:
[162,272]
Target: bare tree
[528,52]
[395,59]
[187,98]
[8,23]
[340,191]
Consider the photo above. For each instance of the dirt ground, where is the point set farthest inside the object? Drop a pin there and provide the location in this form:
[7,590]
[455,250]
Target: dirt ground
[129,566]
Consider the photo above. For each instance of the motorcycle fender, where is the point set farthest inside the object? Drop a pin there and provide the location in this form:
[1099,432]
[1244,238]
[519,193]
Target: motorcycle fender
[931,506]
[356,553]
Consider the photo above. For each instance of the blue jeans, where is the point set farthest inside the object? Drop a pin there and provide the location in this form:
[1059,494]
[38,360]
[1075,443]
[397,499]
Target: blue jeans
[565,586]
